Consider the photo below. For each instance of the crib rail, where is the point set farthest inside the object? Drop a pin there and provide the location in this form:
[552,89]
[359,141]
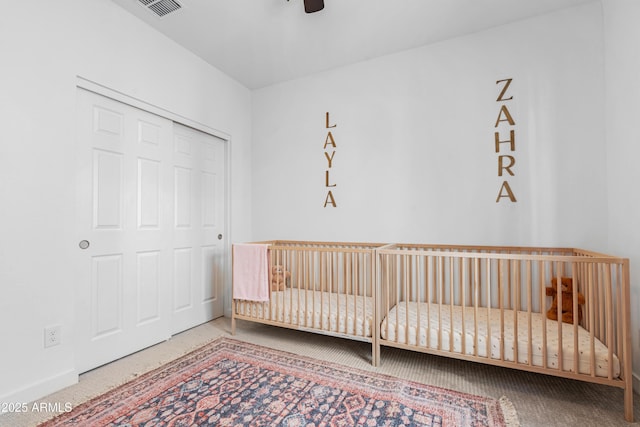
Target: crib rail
[507,284]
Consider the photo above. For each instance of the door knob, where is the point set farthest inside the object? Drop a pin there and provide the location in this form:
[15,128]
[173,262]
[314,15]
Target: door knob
[84,244]
[219,236]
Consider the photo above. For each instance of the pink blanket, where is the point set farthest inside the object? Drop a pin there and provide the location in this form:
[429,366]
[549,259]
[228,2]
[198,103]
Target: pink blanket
[251,272]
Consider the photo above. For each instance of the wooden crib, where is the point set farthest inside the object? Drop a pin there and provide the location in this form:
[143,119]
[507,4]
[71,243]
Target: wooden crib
[489,304]
[483,304]
[330,289]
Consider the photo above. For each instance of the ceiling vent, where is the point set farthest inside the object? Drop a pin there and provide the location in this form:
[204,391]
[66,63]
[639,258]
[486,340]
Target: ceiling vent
[161,7]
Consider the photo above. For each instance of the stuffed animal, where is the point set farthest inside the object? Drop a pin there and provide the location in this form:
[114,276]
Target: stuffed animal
[567,300]
[279,278]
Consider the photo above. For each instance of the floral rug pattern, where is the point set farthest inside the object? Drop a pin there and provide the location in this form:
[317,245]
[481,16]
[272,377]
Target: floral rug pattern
[231,383]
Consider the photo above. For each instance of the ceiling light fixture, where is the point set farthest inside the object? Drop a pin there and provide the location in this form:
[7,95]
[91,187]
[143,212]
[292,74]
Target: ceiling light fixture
[311,6]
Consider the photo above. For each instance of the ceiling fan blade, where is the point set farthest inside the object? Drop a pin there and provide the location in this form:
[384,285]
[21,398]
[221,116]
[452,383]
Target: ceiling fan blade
[311,6]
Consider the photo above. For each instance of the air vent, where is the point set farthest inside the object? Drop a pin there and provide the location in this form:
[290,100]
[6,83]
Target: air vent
[161,7]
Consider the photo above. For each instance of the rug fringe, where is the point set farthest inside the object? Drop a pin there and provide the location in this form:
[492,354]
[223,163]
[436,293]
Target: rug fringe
[509,412]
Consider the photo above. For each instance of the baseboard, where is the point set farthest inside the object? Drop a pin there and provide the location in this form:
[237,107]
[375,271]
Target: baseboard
[40,389]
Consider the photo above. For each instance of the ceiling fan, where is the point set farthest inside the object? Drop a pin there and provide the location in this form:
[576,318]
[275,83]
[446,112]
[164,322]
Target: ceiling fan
[311,6]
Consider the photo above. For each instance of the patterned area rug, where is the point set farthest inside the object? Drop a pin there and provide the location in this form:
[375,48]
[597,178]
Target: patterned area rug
[231,383]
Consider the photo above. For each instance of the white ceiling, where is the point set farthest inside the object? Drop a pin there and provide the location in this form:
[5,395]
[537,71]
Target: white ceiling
[262,42]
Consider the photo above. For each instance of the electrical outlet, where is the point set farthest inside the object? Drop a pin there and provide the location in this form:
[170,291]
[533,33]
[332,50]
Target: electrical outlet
[52,335]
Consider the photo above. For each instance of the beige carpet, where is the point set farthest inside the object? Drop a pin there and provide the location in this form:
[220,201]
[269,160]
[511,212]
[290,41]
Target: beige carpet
[539,400]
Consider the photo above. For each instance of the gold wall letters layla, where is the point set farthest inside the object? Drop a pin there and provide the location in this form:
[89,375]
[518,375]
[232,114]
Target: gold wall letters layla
[329,146]
[505,122]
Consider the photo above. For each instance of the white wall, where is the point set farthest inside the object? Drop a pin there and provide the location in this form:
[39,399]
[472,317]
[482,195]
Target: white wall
[622,60]
[415,159]
[44,46]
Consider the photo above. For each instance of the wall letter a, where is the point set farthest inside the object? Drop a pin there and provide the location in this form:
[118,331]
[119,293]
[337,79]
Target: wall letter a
[330,200]
[506,188]
[329,141]
[504,111]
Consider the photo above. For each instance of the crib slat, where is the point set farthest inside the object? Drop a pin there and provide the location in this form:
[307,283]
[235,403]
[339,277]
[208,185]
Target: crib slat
[397,295]
[489,333]
[451,292]
[576,348]
[354,285]
[560,296]
[462,275]
[541,284]
[602,292]
[429,296]
[619,304]
[420,298]
[516,272]
[501,307]
[592,324]
[529,280]
[609,316]
[476,302]
[317,271]
[319,288]
[286,264]
[309,282]
[440,300]
[332,272]
[329,272]
[406,280]
[388,302]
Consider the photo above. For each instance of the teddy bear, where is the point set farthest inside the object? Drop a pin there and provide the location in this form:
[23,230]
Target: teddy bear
[567,300]
[279,278]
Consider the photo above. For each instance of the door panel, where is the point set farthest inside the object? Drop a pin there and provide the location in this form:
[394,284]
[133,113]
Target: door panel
[149,287]
[183,202]
[106,295]
[183,276]
[108,198]
[148,194]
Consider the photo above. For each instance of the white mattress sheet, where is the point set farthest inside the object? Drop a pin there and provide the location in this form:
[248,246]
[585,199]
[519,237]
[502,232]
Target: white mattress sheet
[432,316]
[331,312]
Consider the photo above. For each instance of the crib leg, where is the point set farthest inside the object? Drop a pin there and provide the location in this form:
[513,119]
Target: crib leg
[375,354]
[233,324]
[628,403]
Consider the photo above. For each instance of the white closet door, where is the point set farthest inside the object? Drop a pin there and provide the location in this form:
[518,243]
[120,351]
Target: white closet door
[198,227]
[124,216]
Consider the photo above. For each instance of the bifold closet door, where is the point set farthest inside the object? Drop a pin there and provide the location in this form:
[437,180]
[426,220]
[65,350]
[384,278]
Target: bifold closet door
[124,228]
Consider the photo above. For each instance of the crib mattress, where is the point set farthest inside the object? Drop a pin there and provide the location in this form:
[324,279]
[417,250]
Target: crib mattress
[330,312]
[431,317]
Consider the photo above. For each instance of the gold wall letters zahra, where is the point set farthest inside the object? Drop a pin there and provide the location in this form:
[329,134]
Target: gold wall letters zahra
[506,163]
